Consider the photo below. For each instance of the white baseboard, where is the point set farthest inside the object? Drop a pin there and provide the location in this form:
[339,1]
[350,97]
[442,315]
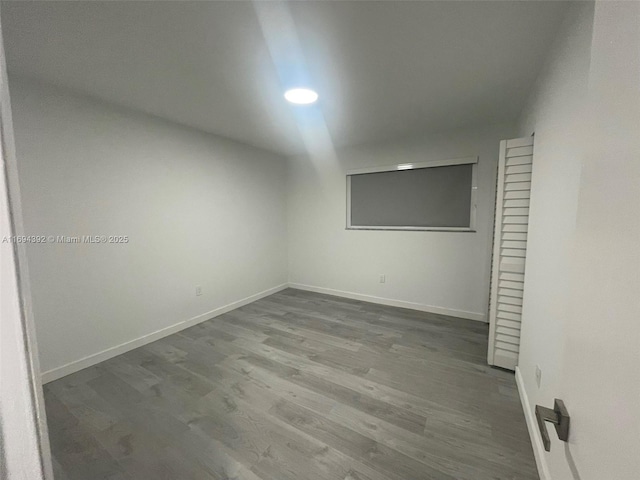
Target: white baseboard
[90,360]
[532,426]
[95,358]
[393,303]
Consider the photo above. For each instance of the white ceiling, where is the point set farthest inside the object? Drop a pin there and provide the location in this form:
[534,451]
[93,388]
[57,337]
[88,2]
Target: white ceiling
[383,69]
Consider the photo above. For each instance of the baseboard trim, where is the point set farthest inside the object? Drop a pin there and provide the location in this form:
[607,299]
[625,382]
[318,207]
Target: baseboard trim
[77,365]
[88,361]
[393,303]
[532,426]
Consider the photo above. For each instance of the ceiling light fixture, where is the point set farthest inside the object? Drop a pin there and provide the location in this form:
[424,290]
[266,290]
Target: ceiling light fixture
[405,166]
[301,96]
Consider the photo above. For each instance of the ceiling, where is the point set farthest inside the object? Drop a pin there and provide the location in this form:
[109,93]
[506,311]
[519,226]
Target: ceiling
[384,70]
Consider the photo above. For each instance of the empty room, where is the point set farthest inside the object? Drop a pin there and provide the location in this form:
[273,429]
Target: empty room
[320,240]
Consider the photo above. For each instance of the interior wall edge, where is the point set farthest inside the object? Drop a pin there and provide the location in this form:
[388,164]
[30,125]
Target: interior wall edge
[481,317]
[90,360]
[532,427]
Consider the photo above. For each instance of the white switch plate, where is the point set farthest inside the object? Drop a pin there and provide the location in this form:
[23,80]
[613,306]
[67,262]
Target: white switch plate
[198,290]
[383,278]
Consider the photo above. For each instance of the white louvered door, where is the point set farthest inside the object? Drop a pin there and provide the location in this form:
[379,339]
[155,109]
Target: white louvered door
[509,251]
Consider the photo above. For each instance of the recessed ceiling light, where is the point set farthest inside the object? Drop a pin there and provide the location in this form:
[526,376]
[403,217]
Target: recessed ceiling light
[405,166]
[301,96]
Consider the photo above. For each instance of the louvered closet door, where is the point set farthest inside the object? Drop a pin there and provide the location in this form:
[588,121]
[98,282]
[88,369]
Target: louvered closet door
[509,251]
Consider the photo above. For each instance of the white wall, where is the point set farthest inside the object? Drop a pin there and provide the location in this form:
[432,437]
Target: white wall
[445,272]
[555,112]
[198,210]
[581,304]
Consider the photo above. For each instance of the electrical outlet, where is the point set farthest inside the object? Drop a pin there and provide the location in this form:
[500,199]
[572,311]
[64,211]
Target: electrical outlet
[198,290]
[538,375]
[383,278]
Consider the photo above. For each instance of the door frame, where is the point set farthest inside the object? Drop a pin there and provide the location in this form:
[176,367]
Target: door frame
[34,461]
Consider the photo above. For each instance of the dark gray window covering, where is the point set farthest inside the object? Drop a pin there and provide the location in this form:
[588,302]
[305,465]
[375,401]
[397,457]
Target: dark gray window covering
[423,197]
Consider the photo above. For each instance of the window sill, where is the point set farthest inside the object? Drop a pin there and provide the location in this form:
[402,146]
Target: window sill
[417,229]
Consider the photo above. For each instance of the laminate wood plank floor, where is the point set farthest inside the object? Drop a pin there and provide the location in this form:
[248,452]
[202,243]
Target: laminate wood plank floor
[296,386]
